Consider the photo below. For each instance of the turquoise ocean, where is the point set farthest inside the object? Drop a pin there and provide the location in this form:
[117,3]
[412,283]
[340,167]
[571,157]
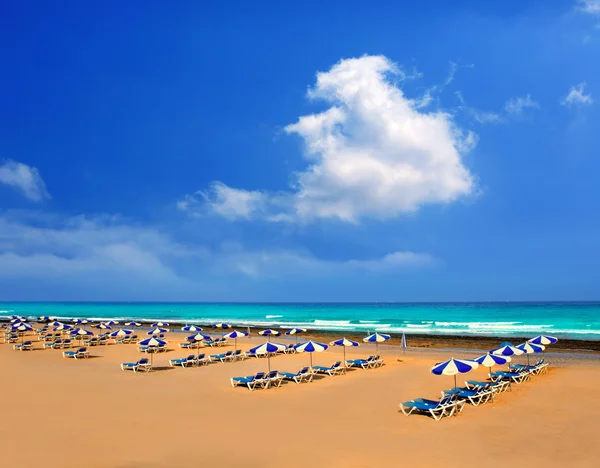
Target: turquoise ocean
[565,319]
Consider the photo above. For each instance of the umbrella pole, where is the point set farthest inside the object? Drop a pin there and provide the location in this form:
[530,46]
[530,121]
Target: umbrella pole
[454,381]
[310,360]
[235,348]
[527,359]
[269,361]
[345,357]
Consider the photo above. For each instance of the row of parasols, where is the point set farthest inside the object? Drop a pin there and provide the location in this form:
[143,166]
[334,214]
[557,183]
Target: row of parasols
[495,357]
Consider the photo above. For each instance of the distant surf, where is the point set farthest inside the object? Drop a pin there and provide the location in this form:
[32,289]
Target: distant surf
[568,320]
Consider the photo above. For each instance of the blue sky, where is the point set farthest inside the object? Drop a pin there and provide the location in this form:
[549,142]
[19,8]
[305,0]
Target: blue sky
[319,152]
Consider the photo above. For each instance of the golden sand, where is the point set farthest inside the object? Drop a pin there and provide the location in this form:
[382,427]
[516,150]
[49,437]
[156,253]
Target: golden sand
[88,413]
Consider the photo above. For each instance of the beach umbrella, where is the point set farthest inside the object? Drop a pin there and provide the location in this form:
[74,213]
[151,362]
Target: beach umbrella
[197,338]
[454,367]
[491,360]
[120,333]
[269,333]
[543,340]
[17,319]
[103,326]
[403,344]
[222,326]
[191,328]
[310,347]
[376,338]
[235,335]
[56,323]
[267,348]
[345,343]
[80,333]
[153,344]
[80,321]
[507,349]
[295,331]
[44,319]
[63,327]
[21,327]
[530,348]
[133,324]
[160,324]
[156,331]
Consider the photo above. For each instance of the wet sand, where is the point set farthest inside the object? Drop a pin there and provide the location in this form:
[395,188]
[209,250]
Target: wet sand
[62,413]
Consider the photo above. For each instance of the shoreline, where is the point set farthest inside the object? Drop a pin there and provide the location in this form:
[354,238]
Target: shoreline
[417,340]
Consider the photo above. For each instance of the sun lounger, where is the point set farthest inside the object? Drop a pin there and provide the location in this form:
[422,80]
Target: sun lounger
[141,365]
[202,359]
[25,346]
[273,379]
[81,353]
[290,349]
[303,375]
[475,396]
[498,386]
[184,362]
[369,363]
[335,369]
[437,409]
[187,344]
[11,339]
[251,381]
[57,344]
[516,377]
[228,356]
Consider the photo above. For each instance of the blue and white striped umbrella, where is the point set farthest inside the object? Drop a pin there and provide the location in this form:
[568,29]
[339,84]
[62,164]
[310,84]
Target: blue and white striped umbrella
[56,323]
[268,333]
[235,335]
[267,348]
[21,327]
[111,322]
[18,319]
[507,349]
[191,328]
[224,326]
[198,337]
[80,321]
[43,319]
[376,338]
[310,347]
[160,324]
[530,348]
[120,333]
[345,343]
[152,343]
[157,331]
[491,360]
[80,332]
[133,324]
[454,367]
[63,327]
[103,326]
[295,331]
[543,340]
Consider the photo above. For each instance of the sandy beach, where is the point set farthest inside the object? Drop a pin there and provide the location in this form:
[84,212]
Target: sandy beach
[67,413]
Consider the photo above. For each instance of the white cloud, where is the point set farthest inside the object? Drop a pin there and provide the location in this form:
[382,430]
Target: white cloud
[275,263]
[577,97]
[25,179]
[228,202]
[589,6]
[107,258]
[516,105]
[372,153]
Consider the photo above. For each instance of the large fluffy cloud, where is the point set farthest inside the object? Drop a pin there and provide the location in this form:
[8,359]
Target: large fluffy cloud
[25,179]
[374,152]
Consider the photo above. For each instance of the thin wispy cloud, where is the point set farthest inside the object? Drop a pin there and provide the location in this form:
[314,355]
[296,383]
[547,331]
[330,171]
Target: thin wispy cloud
[25,179]
[516,105]
[373,153]
[577,97]
[589,6]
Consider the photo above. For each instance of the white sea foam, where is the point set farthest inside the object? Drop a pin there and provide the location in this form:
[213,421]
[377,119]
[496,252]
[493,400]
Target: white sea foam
[273,316]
